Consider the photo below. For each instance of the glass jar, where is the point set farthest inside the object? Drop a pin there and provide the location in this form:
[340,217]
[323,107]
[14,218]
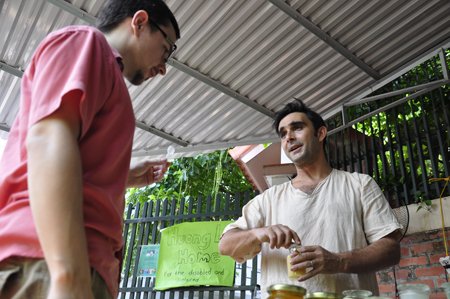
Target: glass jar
[356,294]
[414,291]
[285,291]
[446,287]
[293,274]
[323,295]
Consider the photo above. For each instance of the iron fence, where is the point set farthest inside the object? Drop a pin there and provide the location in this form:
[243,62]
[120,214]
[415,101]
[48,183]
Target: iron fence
[143,224]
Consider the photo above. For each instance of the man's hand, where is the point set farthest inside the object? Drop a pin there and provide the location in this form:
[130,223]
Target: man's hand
[380,254]
[317,260]
[277,236]
[242,245]
[146,173]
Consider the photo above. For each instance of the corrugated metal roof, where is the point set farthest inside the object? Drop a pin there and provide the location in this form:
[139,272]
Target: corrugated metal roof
[239,61]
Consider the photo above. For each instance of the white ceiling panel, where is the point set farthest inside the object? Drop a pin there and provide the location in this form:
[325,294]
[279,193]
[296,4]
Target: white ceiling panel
[238,61]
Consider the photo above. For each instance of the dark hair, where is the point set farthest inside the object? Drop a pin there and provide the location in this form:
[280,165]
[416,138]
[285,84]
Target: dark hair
[298,106]
[114,12]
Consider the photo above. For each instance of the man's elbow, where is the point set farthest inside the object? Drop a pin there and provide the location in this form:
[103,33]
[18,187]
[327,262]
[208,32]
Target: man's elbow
[224,248]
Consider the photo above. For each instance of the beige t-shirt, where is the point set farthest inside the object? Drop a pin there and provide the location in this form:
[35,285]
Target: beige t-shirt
[346,211]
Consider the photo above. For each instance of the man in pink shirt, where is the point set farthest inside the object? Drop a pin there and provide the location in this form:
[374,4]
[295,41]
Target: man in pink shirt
[65,166]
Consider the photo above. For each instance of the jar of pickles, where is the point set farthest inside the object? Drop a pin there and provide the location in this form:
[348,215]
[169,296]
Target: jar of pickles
[285,291]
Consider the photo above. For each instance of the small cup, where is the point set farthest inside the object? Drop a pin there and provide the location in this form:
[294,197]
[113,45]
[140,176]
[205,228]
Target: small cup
[414,291]
[293,274]
[446,287]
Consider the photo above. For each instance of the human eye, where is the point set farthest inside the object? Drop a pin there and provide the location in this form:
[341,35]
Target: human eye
[298,127]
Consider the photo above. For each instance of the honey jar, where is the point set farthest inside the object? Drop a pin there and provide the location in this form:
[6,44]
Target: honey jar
[322,295]
[285,291]
[293,274]
[356,294]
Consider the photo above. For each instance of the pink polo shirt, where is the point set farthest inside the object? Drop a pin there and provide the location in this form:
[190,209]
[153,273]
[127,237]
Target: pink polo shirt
[74,58]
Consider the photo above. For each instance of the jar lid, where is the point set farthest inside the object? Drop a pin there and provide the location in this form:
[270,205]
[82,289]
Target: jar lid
[323,295]
[287,287]
[356,293]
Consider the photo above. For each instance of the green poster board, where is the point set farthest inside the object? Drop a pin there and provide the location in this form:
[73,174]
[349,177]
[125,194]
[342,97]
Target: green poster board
[189,256]
[148,260]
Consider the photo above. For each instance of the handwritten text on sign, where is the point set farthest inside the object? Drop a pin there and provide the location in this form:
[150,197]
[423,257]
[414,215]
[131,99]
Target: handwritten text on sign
[189,256]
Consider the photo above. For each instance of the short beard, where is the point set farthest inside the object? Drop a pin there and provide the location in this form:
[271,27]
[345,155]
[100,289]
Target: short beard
[137,79]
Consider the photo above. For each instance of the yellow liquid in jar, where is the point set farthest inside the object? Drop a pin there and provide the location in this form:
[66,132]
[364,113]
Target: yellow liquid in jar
[293,274]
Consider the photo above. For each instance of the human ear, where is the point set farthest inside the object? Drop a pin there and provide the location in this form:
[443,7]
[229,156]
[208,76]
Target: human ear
[323,131]
[139,20]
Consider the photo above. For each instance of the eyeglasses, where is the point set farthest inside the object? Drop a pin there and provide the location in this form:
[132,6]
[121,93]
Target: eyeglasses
[173,47]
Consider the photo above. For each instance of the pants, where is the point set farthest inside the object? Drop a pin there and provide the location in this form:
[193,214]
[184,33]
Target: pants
[22,278]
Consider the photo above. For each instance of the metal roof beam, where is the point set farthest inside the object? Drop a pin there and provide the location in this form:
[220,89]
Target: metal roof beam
[400,71]
[219,86]
[313,28]
[207,147]
[397,92]
[161,133]
[70,8]
[384,108]
[391,76]
[176,64]
[443,64]
[11,69]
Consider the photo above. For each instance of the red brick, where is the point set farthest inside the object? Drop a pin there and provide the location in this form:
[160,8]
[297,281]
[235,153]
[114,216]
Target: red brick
[404,251]
[434,258]
[438,246]
[430,271]
[402,274]
[413,261]
[438,296]
[440,281]
[386,288]
[421,248]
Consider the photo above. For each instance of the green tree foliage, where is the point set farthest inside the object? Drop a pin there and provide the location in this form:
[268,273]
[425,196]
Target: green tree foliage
[203,175]
[410,140]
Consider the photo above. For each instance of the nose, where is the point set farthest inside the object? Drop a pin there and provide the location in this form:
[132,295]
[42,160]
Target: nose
[289,135]
[160,69]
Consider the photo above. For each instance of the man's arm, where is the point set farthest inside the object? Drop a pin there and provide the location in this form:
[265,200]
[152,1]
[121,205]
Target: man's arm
[378,255]
[55,185]
[242,245]
[146,172]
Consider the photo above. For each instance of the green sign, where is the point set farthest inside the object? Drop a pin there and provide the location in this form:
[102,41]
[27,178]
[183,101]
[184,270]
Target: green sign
[189,256]
[148,260]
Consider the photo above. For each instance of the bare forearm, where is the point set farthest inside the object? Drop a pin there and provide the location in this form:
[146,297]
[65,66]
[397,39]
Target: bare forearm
[239,244]
[55,184]
[245,244]
[379,255]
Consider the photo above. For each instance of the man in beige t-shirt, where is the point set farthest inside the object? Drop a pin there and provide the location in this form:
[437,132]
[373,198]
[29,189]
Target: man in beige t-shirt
[342,220]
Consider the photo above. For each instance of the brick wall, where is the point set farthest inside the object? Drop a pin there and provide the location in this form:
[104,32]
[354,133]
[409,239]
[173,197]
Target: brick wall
[419,264]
